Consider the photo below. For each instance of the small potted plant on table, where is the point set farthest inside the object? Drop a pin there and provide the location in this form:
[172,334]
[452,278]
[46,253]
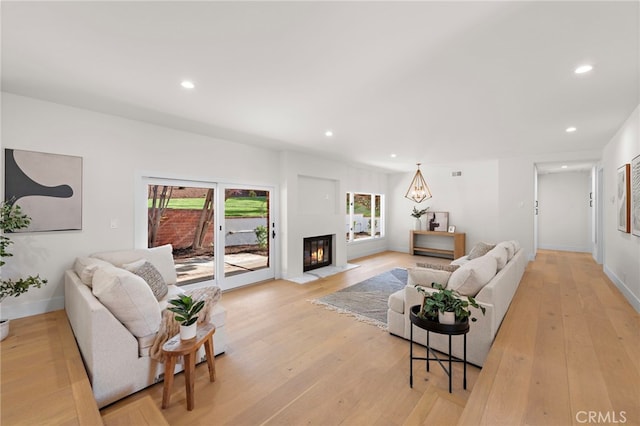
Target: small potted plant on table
[418,214]
[446,306]
[186,311]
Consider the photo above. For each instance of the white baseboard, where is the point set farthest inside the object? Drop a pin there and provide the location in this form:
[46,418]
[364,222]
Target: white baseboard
[565,248]
[32,308]
[632,298]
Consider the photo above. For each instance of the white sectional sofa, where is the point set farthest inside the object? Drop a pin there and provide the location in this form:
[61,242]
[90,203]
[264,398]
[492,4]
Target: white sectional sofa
[115,345]
[492,279]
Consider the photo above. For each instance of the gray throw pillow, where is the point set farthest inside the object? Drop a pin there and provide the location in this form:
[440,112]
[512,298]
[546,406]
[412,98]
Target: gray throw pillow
[480,250]
[145,270]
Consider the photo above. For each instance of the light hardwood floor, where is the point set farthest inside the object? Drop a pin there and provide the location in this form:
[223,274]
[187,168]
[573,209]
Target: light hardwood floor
[569,343]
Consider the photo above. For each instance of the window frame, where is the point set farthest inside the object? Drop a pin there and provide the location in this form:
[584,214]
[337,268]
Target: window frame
[375,232]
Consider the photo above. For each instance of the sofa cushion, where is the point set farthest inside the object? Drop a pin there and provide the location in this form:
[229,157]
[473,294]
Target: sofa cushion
[469,279]
[480,249]
[85,267]
[161,257]
[129,299]
[145,270]
[426,277]
[438,266]
[501,255]
[460,261]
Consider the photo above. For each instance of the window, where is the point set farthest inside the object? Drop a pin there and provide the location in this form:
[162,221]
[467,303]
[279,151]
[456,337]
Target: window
[365,216]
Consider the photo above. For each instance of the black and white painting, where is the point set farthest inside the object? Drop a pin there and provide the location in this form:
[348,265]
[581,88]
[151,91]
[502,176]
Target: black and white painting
[635,196]
[438,221]
[47,187]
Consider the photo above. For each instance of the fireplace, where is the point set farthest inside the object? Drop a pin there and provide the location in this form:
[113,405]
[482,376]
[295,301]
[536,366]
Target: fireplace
[317,252]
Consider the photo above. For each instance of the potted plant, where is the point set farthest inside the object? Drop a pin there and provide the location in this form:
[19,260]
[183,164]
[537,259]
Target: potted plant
[11,219]
[446,306]
[418,214]
[186,311]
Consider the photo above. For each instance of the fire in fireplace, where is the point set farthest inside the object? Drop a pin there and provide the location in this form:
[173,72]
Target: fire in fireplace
[317,252]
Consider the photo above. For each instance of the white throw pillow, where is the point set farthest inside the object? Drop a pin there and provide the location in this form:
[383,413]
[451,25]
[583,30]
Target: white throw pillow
[145,270]
[426,277]
[507,245]
[460,261]
[161,257]
[516,245]
[85,267]
[501,255]
[129,299]
[469,279]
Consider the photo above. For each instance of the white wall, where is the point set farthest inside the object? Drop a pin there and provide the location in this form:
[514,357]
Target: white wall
[470,199]
[621,250]
[115,153]
[564,212]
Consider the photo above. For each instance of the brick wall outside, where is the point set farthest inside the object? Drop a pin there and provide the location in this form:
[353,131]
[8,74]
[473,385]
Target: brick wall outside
[177,227]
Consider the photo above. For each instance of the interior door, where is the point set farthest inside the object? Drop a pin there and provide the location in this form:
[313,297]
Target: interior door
[246,233]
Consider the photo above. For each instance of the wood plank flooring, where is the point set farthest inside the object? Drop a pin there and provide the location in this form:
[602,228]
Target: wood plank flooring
[569,343]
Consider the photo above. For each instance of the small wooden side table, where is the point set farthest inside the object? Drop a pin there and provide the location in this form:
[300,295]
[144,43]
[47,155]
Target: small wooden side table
[174,348]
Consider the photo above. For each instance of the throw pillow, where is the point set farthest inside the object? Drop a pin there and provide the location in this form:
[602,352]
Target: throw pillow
[128,298]
[85,267]
[145,270]
[426,277]
[480,249]
[509,247]
[469,279]
[501,255]
[438,266]
[161,257]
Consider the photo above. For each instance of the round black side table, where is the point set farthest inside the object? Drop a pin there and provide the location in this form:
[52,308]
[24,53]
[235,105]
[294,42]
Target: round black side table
[436,327]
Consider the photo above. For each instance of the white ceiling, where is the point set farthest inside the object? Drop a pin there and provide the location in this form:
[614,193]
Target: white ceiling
[434,82]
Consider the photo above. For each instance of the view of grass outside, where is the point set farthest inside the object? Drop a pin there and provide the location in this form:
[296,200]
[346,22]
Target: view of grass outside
[234,207]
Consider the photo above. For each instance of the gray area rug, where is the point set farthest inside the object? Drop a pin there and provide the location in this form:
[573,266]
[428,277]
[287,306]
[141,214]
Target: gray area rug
[367,300]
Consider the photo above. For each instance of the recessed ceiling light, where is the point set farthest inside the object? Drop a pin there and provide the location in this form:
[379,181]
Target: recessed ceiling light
[570,129]
[328,133]
[564,166]
[187,84]
[583,69]
[393,156]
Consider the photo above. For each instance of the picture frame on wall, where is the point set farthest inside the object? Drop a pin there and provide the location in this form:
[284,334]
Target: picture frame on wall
[437,221]
[47,187]
[623,189]
[635,196]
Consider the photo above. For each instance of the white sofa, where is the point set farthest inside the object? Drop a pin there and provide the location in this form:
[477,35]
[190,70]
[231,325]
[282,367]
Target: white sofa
[495,296]
[115,348]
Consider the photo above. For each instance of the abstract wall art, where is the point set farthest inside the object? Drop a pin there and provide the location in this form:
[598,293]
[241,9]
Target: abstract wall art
[48,188]
[622,194]
[635,196]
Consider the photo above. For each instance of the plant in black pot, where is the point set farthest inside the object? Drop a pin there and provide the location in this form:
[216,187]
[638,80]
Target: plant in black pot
[11,219]
[446,306]
[186,311]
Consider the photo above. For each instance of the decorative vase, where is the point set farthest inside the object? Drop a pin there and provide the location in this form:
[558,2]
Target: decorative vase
[418,225]
[4,329]
[447,317]
[188,332]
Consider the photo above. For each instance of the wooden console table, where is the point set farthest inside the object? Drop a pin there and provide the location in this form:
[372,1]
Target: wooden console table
[43,378]
[458,244]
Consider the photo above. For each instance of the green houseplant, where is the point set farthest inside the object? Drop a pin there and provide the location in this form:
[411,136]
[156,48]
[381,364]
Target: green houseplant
[186,311]
[445,300]
[11,219]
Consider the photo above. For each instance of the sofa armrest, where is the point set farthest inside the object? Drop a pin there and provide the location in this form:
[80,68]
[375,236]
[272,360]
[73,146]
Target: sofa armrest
[103,341]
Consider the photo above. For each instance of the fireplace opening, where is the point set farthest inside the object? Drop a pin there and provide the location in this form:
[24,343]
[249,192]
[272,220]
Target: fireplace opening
[317,252]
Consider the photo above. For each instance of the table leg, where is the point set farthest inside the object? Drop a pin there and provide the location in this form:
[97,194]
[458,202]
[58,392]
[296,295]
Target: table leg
[169,366]
[450,370]
[465,361]
[189,367]
[428,350]
[411,356]
[208,347]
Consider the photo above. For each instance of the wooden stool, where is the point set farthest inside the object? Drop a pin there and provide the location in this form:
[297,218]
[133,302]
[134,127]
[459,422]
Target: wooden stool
[174,348]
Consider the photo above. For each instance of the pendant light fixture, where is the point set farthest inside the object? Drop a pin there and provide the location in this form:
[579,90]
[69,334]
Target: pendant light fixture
[418,190]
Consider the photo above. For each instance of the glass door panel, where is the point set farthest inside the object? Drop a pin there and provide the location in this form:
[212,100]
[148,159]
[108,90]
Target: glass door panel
[248,234]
